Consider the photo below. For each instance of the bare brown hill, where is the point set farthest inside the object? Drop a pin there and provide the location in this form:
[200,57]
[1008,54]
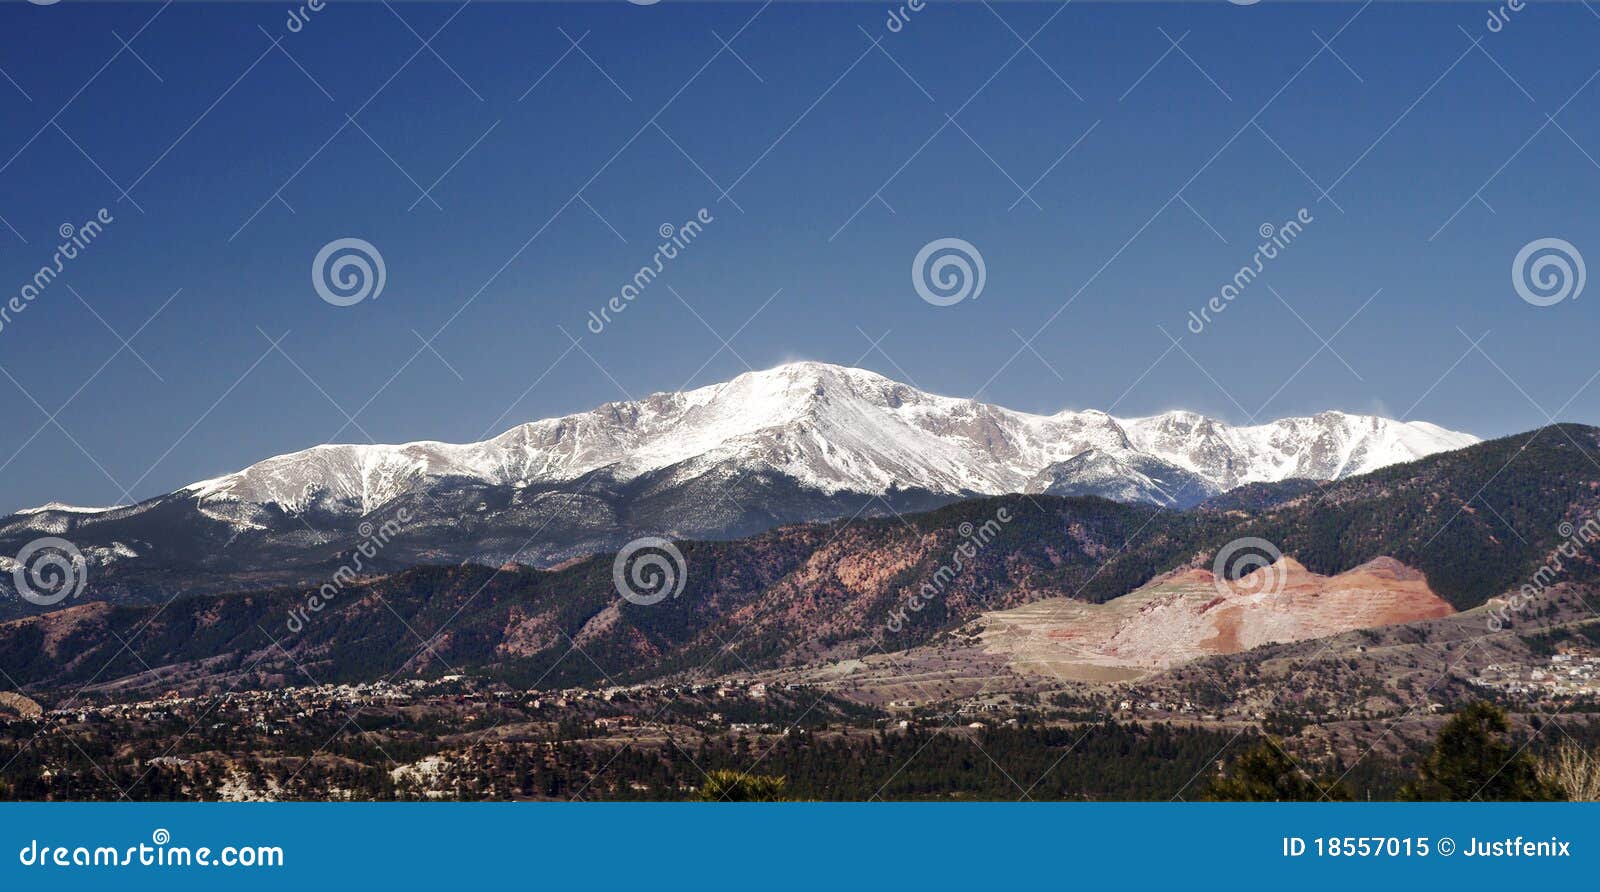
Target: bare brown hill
[1191,614]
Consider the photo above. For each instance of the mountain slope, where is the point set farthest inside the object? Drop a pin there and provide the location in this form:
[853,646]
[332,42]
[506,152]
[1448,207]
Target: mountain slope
[804,593]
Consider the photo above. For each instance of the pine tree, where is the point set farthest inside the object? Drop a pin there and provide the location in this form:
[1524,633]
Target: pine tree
[1473,759]
[1264,773]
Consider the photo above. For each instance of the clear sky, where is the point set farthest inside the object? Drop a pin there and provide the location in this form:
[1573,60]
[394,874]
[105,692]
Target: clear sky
[824,162]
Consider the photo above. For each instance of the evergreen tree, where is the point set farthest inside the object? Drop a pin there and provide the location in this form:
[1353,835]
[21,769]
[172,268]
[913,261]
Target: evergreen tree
[1264,773]
[1473,759]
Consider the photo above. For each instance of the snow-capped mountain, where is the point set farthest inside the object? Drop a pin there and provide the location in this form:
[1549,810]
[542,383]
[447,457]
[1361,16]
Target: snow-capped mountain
[839,429]
[801,442]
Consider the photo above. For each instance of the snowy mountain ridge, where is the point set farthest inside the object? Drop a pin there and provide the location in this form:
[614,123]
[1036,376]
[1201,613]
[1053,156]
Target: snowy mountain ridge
[837,429]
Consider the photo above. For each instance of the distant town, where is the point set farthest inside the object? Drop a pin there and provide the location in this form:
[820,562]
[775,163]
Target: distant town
[1571,676]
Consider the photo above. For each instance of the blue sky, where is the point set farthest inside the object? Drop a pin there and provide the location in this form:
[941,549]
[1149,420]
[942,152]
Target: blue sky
[554,167]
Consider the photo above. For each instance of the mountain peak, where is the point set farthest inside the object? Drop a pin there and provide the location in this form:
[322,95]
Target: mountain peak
[805,375]
[812,368]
